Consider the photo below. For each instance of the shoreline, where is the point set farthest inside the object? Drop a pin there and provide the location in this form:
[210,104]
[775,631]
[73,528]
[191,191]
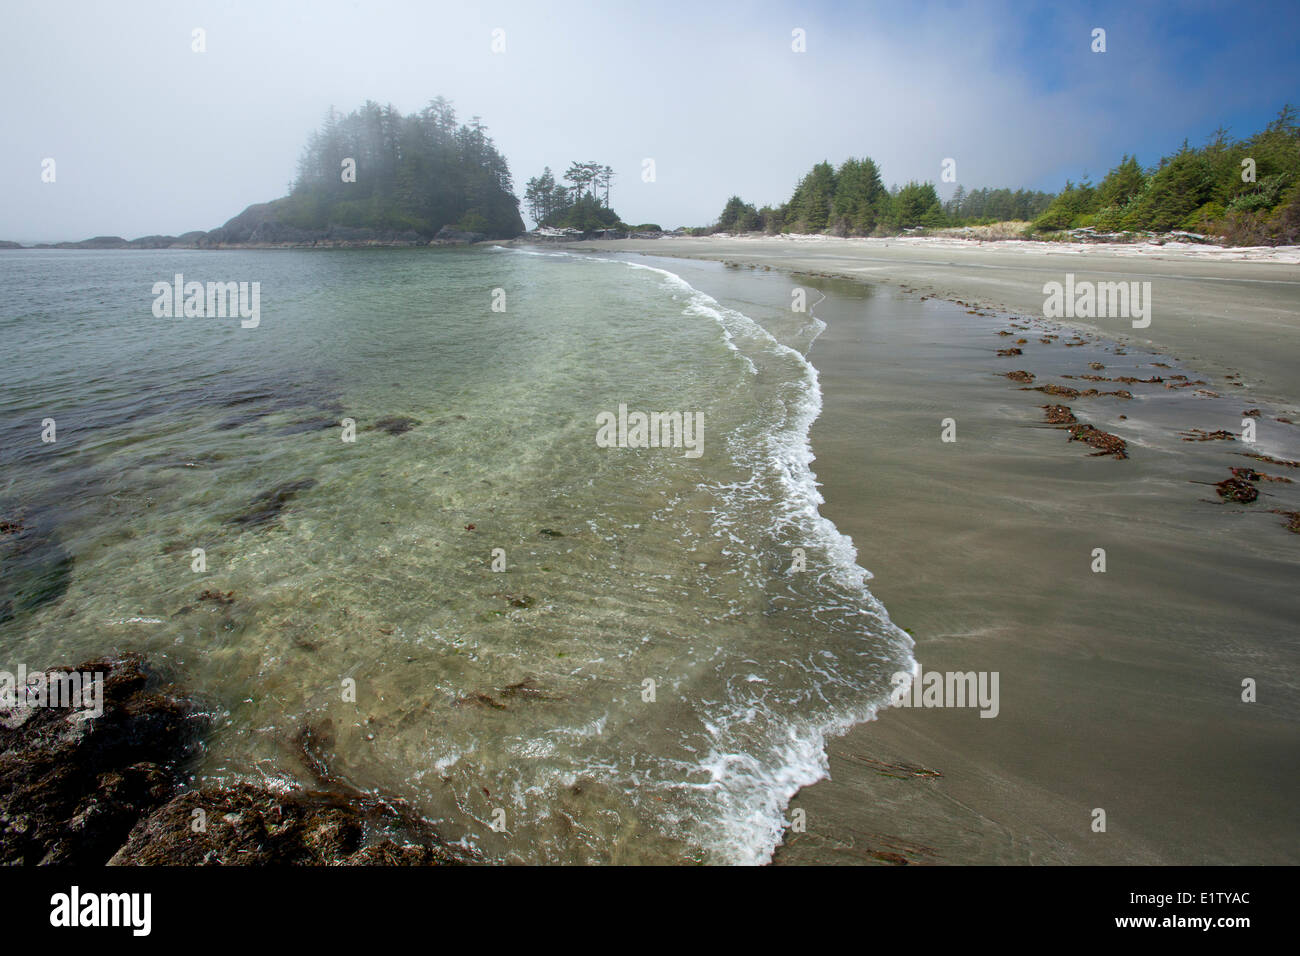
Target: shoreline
[1255,333]
[115,790]
[985,560]
[1136,246]
[1118,689]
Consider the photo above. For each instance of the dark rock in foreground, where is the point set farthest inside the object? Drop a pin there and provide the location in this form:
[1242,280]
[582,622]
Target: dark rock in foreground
[71,785]
[252,826]
[81,789]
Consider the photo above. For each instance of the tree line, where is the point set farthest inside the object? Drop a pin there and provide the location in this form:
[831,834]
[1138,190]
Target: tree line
[852,200]
[1243,191]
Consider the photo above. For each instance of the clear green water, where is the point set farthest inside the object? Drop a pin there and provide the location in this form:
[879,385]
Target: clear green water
[482,697]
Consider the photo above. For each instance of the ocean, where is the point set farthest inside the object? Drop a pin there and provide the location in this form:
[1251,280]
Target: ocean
[410,506]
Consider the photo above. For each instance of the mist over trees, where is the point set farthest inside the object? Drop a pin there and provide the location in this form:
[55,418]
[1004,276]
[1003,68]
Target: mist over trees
[421,173]
[414,173]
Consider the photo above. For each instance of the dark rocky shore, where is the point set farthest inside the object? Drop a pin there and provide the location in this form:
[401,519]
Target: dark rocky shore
[82,790]
[261,226]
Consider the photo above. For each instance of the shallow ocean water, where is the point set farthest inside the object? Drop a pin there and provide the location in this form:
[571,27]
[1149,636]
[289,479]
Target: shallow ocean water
[650,678]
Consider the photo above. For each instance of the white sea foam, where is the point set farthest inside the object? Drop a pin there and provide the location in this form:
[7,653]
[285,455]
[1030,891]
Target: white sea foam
[752,790]
[750,778]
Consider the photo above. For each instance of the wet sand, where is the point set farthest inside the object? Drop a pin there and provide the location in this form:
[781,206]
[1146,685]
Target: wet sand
[1121,690]
[1223,311]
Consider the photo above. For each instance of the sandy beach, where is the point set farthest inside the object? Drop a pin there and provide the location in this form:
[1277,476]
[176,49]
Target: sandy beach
[1120,691]
[1224,310]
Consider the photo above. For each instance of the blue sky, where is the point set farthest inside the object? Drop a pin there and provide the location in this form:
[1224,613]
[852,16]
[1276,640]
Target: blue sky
[1171,70]
[152,137]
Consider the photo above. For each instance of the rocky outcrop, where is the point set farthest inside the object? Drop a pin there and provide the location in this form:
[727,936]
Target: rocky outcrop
[72,785]
[152,242]
[449,234]
[84,788]
[249,825]
[99,242]
[262,226]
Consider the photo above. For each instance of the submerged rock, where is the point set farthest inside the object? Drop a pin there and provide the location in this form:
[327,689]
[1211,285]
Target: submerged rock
[396,424]
[218,597]
[36,568]
[267,506]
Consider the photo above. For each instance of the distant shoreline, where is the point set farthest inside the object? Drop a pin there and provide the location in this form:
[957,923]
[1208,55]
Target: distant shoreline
[1135,246]
[116,243]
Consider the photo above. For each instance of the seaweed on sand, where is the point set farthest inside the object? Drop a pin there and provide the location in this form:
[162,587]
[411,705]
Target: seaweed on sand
[1063,390]
[1250,474]
[1237,489]
[1293,520]
[1271,460]
[1104,442]
[1059,415]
